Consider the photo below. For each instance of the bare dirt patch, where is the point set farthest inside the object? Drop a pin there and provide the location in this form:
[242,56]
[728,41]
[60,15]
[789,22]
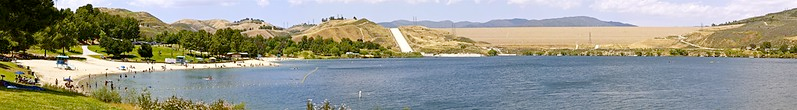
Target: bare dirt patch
[567,36]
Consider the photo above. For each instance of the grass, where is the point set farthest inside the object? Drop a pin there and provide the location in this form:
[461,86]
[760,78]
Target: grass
[8,69]
[49,100]
[75,50]
[165,52]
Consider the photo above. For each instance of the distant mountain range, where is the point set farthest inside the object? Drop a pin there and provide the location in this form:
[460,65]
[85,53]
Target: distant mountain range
[577,21]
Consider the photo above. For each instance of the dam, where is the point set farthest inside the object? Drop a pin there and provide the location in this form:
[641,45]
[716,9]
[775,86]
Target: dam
[401,41]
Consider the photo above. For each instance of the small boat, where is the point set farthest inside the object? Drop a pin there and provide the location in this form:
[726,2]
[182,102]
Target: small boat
[208,78]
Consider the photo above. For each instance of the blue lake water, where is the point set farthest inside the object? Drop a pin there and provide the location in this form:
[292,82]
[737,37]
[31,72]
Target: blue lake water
[493,83]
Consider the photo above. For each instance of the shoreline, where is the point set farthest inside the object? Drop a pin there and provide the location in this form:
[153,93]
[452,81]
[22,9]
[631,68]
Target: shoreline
[48,72]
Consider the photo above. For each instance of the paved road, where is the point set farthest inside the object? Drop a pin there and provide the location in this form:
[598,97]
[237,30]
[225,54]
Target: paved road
[400,40]
[87,52]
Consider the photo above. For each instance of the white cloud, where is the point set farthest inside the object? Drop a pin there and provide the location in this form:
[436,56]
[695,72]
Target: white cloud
[564,4]
[182,3]
[734,9]
[447,2]
[452,2]
[74,4]
[263,2]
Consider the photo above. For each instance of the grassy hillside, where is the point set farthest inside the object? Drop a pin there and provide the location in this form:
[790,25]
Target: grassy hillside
[149,24]
[352,29]
[778,28]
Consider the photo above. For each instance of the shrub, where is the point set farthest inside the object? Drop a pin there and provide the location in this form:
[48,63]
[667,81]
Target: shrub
[326,105]
[106,95]
[146,102]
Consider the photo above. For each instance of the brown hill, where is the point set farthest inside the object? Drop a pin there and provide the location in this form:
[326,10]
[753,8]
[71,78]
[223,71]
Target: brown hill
[429,40]
[777,28]
[352,29]
[149,25]
[250,27]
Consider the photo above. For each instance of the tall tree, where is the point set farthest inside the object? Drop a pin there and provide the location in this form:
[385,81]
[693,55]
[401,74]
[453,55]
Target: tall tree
[58,36]
[19,19]
[145,51]
[118,33]
[85,18]
[766,45]
[115,46]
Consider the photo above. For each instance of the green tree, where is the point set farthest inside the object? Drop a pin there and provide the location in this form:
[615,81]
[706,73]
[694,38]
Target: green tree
[766,45]
[20,19]
[6,47]
[492,52]
[145,51]
[85,19]
[784,48]
[679,52]
[117,34]
[58,36]
[114,46]
[334,51]
[290,51]
[794,49]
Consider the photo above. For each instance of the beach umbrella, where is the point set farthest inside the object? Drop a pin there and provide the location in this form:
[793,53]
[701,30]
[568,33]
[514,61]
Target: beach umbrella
[68,79]
[20,72]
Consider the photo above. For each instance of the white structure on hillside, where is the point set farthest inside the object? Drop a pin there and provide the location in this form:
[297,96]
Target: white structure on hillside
[401,41]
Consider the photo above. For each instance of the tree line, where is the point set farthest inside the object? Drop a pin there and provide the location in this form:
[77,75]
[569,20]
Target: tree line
[38,23]
[231,40]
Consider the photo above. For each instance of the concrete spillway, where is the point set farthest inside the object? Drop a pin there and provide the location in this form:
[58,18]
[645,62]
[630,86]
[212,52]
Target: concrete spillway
[401,41]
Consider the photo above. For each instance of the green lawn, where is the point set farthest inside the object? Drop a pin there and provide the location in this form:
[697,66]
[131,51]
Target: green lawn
[8,69]
[165,52]
[49,100]
[43,100]
[75,50]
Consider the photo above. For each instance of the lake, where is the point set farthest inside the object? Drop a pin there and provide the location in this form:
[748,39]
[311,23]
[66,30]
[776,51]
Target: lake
[487,83]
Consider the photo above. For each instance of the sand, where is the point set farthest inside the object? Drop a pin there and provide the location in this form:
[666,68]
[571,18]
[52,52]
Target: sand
[48,71]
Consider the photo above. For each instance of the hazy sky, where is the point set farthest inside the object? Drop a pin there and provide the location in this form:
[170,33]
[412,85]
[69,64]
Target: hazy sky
[280,12]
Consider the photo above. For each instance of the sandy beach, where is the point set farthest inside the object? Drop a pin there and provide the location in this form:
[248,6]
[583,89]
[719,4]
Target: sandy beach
[48,72]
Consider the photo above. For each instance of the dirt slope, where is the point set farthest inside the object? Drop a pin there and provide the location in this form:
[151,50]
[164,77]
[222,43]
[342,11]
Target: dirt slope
[429,40]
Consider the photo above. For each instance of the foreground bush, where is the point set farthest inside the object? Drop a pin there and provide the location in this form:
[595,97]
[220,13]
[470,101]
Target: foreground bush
[146,102]
[105,95]
[324,106]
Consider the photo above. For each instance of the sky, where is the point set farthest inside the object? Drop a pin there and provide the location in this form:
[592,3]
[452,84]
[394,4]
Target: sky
[649,13]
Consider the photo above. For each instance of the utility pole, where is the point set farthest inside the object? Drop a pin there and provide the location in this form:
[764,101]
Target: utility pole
[415,20]
[453,29]
[590,38]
